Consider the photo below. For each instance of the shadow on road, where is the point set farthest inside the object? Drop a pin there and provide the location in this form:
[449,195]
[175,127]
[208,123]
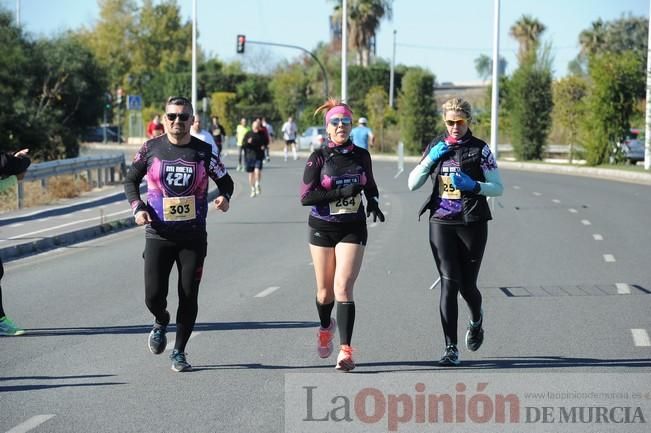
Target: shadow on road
[145,329]
[32,387]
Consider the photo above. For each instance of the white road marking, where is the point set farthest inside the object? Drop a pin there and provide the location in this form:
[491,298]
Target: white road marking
[538,194]
[16,224]
[572,210]
[86,210]
[597,237]
[24,235]
[387,203]
[609,258]
[170,343]
[623,288]
[266,292]
[557,201]
[586,222]
[641,337]
[373,225]
[516,187]
[30,424]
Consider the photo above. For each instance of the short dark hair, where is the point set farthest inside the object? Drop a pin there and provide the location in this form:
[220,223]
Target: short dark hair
[180,100]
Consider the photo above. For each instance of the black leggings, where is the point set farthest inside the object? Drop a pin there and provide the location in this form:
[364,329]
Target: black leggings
[160,255]
[458,251]
[2,272]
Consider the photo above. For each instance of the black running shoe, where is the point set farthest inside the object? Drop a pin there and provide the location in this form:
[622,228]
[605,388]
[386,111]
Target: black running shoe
[475,335]
[450,357]
[179,363]
[157,339]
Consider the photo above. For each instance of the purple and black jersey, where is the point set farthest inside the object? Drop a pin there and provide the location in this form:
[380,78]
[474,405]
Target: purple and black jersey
[330,168]
[177,186]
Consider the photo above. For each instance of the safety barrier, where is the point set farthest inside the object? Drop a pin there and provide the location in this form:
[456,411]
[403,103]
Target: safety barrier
[105,169]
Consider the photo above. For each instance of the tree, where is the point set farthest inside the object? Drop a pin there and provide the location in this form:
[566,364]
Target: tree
[569,94]
[610,103]
[289,89]
[530,105]
[377,106]
[593,40]
[527,31]
[364,17]
[484,66]
[222,105]
[417,109]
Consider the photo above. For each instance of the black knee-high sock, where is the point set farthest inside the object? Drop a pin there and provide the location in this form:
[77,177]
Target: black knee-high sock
[345,321]
[325,310]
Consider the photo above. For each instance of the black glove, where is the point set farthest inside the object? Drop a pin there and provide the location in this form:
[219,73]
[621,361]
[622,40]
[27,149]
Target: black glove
[350,190]
[372,207]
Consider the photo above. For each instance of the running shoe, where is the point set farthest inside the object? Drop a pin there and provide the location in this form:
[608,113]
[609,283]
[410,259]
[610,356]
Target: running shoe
[345,359]
[179,363]
[450,357]
[324,339]
[253,193]
[157,339]
[257,189]
[475,334]
[7,327]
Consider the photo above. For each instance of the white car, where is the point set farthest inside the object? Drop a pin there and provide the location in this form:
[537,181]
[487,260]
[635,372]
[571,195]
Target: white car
[312,138]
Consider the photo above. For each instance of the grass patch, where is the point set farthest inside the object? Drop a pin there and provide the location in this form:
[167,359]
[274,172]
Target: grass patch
[58,187]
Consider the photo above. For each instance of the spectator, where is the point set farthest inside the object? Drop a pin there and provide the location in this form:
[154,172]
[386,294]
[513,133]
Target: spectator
[362,135]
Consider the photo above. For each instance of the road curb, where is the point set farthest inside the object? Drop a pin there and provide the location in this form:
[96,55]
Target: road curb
[27,249]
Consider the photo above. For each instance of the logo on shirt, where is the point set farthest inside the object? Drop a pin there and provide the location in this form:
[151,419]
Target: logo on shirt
[179,176]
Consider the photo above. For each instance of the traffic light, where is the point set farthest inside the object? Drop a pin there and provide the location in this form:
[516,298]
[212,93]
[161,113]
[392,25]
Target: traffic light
[241,40]
[107,101]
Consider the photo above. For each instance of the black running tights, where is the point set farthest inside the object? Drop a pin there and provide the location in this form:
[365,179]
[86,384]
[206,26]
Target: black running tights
[160,255]
[458,251]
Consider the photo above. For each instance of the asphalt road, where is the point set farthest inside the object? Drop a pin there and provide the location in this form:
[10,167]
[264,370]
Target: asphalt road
[566,283]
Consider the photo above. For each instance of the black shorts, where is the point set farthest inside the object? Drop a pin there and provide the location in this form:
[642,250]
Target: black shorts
[327,234]
[252,163]
[290,141]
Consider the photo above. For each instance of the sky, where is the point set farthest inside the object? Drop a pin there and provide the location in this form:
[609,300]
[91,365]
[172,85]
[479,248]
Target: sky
[442,36]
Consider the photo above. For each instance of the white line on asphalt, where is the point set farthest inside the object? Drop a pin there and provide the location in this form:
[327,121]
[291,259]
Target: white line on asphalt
[572,210]
[609,258]
[623,288]
[267,291]
[586,222]
[170,343]
[373,225]
[557,201]
[537,193]
[641,337]
[16,224]
[597,237]
[516,187]
[24,235]
[86,210]
[30,424]
[387,203]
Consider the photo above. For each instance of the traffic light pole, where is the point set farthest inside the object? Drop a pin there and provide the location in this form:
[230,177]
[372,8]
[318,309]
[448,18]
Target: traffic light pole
[325,74]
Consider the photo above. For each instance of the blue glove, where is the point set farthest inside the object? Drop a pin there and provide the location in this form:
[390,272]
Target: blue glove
[438,151]
[462,181]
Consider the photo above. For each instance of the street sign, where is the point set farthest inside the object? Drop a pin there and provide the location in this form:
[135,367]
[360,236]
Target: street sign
[134,102]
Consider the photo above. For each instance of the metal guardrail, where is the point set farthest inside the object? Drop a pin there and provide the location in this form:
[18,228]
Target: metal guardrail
[105,166]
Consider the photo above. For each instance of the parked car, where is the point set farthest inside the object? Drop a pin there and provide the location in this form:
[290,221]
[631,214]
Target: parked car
[633,147]
[95,134]
[312,138]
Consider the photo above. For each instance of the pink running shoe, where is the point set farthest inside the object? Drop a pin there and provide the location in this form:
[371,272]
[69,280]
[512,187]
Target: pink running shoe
[345,359]
[324,339]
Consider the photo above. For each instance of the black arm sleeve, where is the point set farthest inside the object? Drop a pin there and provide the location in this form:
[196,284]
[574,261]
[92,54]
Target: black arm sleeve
[226,186]
[10,164]
[321,195]
[132,181]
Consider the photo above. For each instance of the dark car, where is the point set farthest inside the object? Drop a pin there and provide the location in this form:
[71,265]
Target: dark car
[633,147]
[95,134]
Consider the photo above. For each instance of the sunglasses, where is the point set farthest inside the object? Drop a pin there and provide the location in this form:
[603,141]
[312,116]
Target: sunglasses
[183,117]
[459,122]
[335,121]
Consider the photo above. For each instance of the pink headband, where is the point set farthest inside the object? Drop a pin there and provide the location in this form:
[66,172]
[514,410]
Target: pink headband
[338,109]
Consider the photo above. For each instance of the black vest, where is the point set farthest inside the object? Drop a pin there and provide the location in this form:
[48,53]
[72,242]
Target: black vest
[475,206]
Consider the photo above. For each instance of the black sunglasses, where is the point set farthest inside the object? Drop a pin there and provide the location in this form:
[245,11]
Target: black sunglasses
[183,117]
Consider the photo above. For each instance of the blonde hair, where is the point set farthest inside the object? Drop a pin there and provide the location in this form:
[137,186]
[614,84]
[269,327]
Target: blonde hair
[330,103]
[457,105]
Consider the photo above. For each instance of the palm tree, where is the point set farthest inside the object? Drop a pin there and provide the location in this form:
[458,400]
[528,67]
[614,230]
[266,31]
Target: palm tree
[364,18]
[593,39]
[527,31]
